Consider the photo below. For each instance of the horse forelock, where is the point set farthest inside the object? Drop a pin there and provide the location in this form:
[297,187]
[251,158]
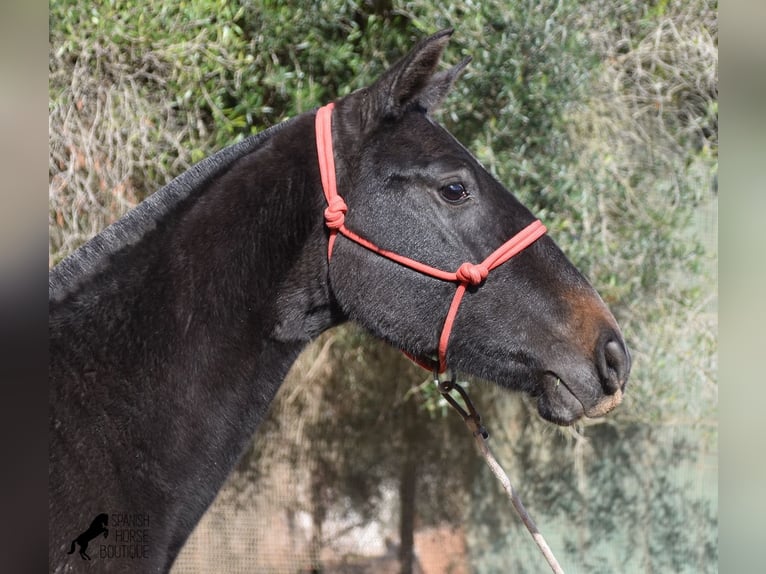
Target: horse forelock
[94,256]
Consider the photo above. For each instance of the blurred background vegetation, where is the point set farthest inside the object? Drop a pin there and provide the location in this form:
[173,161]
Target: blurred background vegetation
[599,115]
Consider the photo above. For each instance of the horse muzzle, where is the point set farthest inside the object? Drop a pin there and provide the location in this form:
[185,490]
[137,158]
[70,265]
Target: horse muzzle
[578,389]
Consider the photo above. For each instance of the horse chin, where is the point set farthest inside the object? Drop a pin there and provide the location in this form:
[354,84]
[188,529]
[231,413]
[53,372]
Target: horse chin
[558,404]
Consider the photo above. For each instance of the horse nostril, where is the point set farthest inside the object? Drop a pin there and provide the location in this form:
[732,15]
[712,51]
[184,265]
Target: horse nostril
[615,366]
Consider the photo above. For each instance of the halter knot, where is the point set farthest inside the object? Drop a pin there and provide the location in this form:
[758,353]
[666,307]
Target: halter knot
[472,274]
[335,213]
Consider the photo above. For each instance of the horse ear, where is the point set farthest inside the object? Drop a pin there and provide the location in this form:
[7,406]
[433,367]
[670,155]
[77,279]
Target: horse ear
[405,81]
[439,86]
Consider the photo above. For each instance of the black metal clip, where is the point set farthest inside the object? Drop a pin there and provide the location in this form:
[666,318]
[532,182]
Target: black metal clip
[471,415]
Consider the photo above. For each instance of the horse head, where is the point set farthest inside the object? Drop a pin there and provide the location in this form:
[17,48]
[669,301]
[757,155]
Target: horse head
[533,324]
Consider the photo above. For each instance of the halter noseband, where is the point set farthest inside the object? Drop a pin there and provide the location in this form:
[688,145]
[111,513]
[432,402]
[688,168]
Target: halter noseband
[467,274]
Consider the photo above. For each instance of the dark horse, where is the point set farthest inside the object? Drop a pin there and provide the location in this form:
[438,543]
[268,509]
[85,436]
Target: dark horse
[171,330]
[97,528]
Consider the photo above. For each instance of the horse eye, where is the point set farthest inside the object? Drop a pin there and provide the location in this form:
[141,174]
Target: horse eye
[454,192]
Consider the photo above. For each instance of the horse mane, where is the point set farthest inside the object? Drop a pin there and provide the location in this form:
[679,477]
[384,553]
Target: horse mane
[94,255]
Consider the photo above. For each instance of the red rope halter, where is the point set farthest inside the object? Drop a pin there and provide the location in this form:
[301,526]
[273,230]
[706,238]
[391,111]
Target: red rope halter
[467,274]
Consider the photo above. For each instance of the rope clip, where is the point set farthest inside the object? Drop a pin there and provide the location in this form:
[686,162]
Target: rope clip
[471,416]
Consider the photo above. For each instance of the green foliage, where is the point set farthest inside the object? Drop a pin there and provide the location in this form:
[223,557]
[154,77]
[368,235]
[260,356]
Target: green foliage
[237,66]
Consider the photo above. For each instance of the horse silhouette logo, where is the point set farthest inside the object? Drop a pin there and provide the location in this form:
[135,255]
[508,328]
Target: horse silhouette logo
[98,526]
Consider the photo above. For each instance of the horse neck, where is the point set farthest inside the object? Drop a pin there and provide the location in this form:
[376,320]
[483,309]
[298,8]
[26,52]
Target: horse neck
[201,318]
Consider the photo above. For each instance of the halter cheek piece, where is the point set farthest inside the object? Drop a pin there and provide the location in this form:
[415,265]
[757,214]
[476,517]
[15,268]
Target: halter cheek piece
[467,274]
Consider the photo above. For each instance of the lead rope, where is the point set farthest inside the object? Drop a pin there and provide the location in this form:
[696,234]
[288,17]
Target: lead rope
[472,420]
[468,274]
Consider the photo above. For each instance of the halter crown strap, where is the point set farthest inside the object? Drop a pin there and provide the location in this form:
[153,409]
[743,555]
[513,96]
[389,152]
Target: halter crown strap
[466,275]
